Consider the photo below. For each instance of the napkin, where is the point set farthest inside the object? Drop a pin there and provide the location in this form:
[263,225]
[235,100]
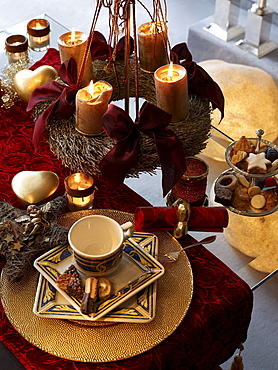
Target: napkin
[206,219]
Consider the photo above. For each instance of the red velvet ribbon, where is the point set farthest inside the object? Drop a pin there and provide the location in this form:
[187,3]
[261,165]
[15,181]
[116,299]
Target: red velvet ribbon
[206,219]
[153,122]
[199,81]
[101,50]
[63,96]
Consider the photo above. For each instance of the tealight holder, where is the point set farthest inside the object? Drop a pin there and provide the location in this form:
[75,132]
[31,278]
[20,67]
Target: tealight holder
[80,189]
[39,34]
[16,48]
[192,185]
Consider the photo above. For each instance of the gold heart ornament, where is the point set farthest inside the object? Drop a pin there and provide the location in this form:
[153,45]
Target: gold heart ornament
[31,187]
[25,81]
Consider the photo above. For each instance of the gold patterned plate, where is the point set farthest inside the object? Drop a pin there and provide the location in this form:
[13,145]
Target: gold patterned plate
[140,307]
[103,343]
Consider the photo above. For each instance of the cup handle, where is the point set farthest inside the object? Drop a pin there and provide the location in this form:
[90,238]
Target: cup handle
[128,229]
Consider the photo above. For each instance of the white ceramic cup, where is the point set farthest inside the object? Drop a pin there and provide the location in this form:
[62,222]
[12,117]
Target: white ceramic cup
[97,243]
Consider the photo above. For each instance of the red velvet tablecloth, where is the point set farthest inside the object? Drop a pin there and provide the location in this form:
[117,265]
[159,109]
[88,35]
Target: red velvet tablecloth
[220,312]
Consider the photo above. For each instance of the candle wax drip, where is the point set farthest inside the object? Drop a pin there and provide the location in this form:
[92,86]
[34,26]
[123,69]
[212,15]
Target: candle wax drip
[151,29]
[168,78]
[93,92]
[70,42]
[174,77]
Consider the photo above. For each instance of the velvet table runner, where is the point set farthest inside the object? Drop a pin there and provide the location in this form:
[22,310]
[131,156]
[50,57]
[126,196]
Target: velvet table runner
[219,315]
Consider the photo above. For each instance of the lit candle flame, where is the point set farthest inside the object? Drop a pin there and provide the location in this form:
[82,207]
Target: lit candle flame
[170,71]
[72,38]
[152,28]
[77,177]
[91,88]
[96,89]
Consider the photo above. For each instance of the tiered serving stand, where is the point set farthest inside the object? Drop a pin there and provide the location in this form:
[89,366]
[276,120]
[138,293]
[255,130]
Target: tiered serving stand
[253,233]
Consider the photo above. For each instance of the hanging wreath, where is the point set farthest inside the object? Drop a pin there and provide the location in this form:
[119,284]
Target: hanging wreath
[147,145]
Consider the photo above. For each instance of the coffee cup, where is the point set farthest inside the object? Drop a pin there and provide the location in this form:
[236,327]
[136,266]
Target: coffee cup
[97,244]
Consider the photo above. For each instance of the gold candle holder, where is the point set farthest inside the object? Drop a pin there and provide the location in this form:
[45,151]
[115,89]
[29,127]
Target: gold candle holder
[39,34]
[91,104]
[73,44]
[152,41]
[80,189]
[172,90]
[16,48]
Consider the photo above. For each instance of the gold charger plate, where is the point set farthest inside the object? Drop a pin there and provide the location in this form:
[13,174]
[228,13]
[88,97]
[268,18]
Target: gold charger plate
[108,342]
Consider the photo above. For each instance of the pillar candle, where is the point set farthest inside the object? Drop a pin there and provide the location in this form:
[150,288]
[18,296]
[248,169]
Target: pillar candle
[172,90]
[91,104]
[152,41]
[39,34]
[73,44]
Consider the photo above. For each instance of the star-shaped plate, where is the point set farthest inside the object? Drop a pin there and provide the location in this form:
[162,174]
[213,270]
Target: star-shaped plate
[129,281]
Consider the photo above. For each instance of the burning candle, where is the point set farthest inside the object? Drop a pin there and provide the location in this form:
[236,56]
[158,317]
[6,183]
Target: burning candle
[39,34]
[73,44]
[16,48]
[80,191]
[172,90]
[152,40]
[91,104]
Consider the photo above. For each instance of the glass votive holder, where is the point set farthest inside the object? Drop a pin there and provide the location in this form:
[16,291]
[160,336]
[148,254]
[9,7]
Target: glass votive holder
[16,48]
[192,185]
[39,34]
[80,191]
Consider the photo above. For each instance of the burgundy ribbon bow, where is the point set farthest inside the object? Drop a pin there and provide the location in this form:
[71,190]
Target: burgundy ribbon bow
[153,122]
[64,95]
[101,50]
[199,81]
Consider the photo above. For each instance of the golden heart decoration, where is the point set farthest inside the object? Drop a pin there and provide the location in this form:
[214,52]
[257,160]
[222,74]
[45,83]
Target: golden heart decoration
[25,81]
[31,187]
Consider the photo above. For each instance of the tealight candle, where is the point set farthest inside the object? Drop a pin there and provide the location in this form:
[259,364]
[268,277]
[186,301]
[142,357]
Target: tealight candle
[152,41]
[80,191]
[39,34]
[73,44]
[172,90]
[91,104]
[16,48]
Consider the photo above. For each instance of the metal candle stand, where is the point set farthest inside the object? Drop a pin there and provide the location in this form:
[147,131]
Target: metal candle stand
[225,24]
[256,40]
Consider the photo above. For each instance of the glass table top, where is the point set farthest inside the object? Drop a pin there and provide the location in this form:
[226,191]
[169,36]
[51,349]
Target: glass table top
[56,29]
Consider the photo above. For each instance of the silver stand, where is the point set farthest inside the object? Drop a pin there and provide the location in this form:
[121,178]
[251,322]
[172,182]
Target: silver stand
[257,31]
[225,24]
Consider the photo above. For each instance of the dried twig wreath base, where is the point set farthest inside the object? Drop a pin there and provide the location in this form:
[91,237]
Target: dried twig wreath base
[82,153]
